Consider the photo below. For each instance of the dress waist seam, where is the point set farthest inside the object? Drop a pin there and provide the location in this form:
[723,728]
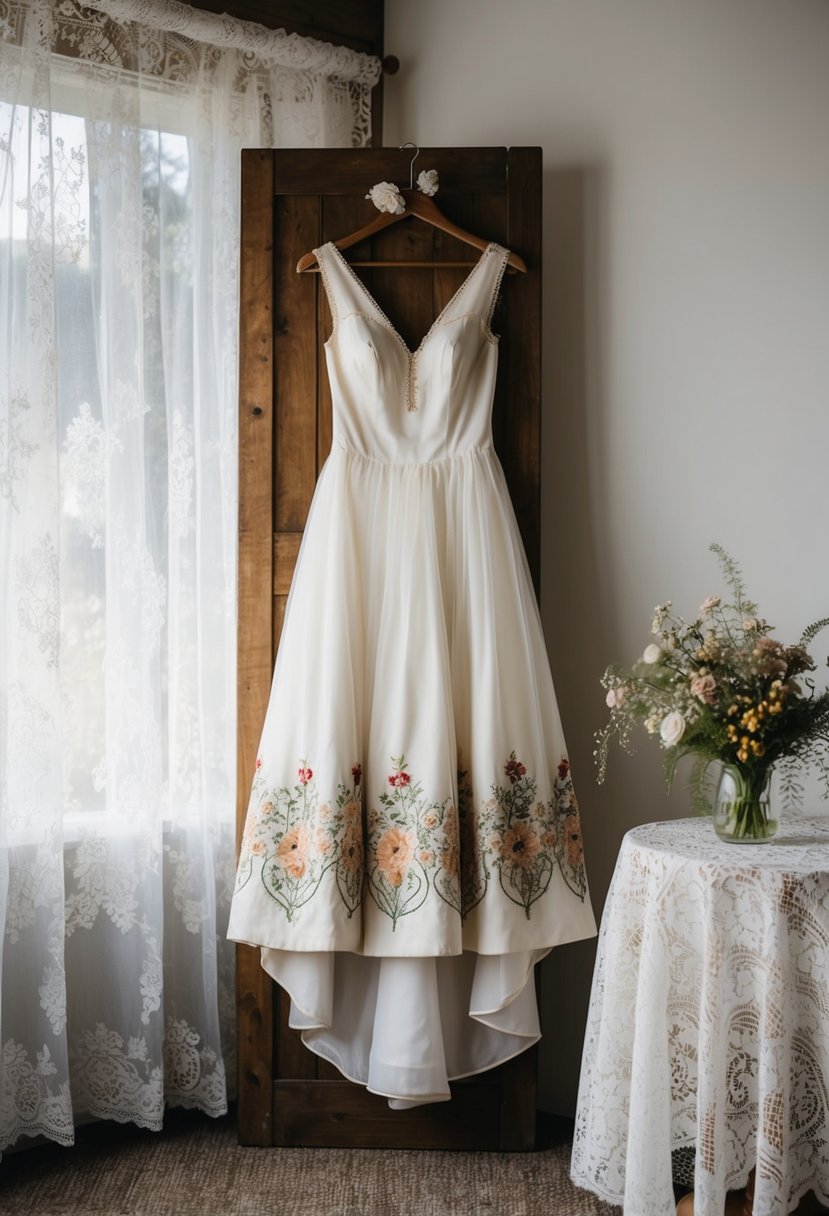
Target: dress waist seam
[456,457]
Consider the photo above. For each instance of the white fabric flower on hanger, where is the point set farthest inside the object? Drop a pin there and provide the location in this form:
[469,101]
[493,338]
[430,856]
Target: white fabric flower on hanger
[386,197]
[427,181]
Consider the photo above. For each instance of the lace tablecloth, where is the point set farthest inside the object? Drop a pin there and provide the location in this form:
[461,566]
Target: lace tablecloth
[709,1021]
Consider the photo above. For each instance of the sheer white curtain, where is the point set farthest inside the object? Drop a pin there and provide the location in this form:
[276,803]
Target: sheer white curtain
[120,131]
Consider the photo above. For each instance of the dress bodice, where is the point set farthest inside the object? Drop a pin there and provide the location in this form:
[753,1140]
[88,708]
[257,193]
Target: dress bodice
[400,406]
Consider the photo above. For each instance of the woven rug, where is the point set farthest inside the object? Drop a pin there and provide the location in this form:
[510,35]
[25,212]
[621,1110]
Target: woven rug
[196,1168]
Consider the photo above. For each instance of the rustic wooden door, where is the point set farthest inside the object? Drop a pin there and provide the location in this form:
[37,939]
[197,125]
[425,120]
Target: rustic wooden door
[294,201]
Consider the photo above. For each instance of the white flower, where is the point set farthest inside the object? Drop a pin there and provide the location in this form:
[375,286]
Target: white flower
[653,653]
[672,728]
[386,197]
[750,624]
[709,604]
[427,181]
[615,697]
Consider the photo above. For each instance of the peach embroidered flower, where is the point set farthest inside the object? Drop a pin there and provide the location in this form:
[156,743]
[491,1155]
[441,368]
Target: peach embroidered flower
[324,812]
[258,846]
[351,848]
[322,841]
[449,858]
[351,811]
[520,845]
[426,856]
[267,808]
[430,820]
[575,849]
[292,853]
[394,852]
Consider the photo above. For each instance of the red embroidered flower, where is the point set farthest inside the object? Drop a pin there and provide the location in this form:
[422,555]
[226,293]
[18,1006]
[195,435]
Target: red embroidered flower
[305,774]
[357,773]
[258,761]
[399,779]
[563,769]
[514,769]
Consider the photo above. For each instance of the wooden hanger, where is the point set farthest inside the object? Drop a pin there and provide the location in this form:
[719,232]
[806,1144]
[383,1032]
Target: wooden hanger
[423,207]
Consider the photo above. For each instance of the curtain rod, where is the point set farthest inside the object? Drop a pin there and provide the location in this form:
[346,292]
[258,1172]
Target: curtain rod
[223,30]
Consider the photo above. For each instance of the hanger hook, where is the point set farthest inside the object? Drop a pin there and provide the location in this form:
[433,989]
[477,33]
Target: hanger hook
[410,144]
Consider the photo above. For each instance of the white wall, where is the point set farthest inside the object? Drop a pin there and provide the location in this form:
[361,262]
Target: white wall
[686,297]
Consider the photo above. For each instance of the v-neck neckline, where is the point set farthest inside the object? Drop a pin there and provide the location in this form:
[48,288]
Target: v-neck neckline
[412,354]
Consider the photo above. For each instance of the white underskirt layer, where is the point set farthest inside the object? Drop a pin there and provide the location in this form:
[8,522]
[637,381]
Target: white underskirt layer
[406,1027]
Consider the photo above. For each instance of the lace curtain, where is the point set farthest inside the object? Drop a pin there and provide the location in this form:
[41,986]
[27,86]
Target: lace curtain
[120,130]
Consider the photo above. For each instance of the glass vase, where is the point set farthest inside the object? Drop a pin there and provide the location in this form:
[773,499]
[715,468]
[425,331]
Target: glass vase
[742,805]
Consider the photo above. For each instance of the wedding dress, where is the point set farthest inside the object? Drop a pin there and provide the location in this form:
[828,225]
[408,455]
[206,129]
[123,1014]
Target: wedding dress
[412,846]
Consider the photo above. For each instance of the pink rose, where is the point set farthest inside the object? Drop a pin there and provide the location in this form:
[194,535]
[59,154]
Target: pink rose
[705,687]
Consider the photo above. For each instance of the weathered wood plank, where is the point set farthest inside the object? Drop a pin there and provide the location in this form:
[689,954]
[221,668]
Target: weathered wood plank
[338,1114]
[521,440]
[295,381]
[253,988]
[463,171]
[285,552]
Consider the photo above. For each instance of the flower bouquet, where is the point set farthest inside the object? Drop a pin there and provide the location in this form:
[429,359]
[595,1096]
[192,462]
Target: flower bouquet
[720,688]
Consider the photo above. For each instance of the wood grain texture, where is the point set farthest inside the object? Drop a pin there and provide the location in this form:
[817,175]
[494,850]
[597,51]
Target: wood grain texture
[318,196]
[463,171]
[255,604]
[520,442]
[295,371]
[338,1114]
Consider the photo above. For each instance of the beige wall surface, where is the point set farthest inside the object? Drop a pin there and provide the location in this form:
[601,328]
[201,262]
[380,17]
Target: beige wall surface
[686,335]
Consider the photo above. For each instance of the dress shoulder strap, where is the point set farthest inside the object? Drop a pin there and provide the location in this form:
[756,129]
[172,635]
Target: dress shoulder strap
[479,293]
[346,294]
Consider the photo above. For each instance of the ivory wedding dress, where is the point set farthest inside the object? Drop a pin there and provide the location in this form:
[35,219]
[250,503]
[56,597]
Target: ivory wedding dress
[412,846]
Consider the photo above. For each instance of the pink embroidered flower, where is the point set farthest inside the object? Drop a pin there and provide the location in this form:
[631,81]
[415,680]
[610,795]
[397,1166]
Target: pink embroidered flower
[258,761]
[394,852]
[399,779]
[514,769]
[292,853]
[357,773]
[304,774]
[563,768]
[520,845]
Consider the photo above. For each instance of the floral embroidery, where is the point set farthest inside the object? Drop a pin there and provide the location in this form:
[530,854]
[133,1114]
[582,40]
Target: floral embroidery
[299,839]
[410,844]
[529,837]
[406,839]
